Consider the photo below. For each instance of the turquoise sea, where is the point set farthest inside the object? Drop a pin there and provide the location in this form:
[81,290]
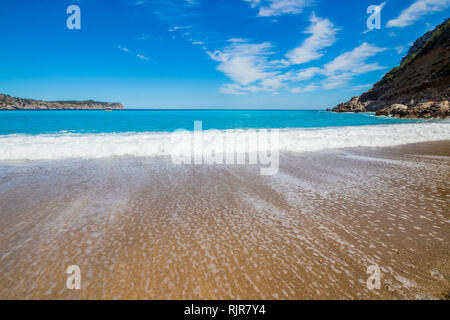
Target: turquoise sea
[119,121]
[57,135]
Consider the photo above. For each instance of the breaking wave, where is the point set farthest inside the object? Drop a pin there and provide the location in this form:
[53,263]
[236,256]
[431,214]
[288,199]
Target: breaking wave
[93,146]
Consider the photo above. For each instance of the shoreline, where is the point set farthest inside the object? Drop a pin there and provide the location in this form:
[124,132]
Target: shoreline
[154,144]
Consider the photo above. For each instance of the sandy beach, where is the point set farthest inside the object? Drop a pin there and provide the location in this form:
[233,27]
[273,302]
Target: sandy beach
[144,228]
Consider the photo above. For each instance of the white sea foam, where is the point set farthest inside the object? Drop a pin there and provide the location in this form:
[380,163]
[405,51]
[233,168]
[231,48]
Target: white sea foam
[92,146]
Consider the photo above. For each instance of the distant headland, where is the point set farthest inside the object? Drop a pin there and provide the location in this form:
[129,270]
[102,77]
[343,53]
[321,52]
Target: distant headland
[418,88]
[11,103]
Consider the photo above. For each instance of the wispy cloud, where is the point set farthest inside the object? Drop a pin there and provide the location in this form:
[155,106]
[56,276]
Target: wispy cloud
[123,49]
[235,89]
[244,63]
[140,56]
[323,35]
[255,67]
[400,49]
[307,74]
[179,28]
[143,36]
[416,11]
[270,8]
[309,88]
[336,81]
[350,64]
[354,61]
[248,66]
[169,12]
[237,40]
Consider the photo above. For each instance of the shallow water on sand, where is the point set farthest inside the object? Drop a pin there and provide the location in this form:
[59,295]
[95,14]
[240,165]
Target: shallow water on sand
[144,228]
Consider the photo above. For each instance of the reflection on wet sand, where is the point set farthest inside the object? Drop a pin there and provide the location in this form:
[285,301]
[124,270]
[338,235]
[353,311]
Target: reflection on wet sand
[143,228]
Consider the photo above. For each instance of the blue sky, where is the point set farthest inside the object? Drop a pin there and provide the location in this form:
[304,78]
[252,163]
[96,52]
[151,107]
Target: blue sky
[301,54]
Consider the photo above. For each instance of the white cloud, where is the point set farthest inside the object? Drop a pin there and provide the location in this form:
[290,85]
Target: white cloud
[307,74]
[309,88]
[340,71]
[252,67]
[237,89]
[253,3]
[237,40]
[400,49]
[417,10]
[323,35]
[232,88]
[337,80]
[271,83]
[270,8]
[179,28]
[248,66]
[123,49]
[142,57]
[295,90]
[350,64]
[354,61]
[276,81]
[244,63]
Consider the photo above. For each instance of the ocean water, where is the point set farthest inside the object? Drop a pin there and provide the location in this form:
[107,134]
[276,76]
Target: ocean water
[51,122]
[49,135]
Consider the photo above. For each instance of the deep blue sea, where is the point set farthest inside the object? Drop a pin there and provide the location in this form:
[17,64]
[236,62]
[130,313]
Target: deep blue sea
[119,121]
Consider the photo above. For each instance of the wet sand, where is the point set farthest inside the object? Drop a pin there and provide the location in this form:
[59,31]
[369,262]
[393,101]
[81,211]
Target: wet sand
[144,228]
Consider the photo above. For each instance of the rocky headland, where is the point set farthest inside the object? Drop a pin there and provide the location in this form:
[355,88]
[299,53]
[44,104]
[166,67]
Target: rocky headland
[418,88]
[11,103]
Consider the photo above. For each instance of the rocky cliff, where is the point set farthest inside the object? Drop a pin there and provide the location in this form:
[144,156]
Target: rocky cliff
[418,88]
[11,103]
